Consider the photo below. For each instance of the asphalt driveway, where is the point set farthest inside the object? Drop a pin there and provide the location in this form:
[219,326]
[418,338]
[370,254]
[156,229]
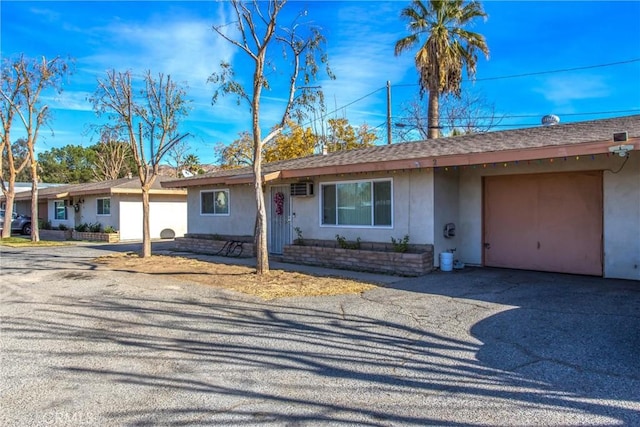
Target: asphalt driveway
[81,346]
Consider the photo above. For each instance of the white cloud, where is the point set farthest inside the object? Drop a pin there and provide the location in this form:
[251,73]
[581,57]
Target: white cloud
[69,100]
[177,44]
[180,45]
[563,90]
[48,14]
[363,60]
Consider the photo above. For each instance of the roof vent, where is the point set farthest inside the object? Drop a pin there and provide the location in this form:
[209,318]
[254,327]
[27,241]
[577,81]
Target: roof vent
[550,120]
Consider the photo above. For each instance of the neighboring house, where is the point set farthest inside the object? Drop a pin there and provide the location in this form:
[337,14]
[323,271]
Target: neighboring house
[25,208]
[116,203]
[552,198]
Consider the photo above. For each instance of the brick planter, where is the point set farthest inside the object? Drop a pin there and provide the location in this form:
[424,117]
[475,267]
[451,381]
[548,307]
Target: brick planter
[55,235]
[98,237]
[215,245]
[403,264]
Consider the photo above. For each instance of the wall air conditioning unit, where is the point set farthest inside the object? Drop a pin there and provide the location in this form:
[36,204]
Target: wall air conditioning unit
[302,189]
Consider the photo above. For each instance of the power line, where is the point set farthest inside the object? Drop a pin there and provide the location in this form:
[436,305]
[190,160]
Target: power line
[635,110]
[357,100]
[521,116]
[586,67]
[537,73]
[310,122]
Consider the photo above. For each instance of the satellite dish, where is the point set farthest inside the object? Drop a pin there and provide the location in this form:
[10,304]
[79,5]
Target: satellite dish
[550,120]
[186,173]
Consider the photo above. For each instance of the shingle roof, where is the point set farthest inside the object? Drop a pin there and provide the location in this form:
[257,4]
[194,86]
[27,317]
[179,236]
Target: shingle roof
[121,185]
[517,140]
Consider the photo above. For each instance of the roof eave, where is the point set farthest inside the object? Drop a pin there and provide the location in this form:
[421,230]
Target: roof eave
[518,154]
[124,191]
[524,154]
[245,178]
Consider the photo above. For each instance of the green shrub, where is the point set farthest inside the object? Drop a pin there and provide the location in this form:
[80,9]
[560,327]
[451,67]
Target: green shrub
[95,227]
[342,242]
[62,227]
[44,225]
[401,245]
[298,240]
[110,229]
[83,228]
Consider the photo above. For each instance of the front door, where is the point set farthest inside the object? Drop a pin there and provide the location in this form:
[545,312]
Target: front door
[280,223]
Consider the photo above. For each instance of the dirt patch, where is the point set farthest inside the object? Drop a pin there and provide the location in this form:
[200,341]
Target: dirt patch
[277,284]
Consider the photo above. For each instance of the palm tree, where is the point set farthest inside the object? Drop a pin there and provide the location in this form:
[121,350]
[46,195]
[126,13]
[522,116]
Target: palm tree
[448,48]
[191,163]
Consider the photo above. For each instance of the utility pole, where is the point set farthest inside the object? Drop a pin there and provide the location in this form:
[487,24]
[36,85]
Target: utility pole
[388,112]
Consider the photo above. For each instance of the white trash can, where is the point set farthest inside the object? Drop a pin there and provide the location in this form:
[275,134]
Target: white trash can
[446,261]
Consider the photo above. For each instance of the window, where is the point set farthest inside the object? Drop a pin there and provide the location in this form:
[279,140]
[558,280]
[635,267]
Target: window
[359,203]
[60,209]
[104,206]
[214,202]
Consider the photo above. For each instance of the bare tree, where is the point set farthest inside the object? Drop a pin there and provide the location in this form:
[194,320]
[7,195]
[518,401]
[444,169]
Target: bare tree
[177,155]
[468,113]
[148,119]
[11,166]
[23,81]
[112,159]
[257,30]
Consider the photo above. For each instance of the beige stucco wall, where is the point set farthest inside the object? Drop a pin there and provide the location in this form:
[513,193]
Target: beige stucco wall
[446,197]
[413,202]
[621,207]
[89,211]
[622,221]
[239,222]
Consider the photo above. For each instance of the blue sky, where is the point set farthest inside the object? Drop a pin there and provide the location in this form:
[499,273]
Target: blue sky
[176,38]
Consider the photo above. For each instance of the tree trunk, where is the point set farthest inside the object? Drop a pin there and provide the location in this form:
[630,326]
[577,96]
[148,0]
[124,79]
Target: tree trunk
[262,253]
[35,231]
[146,234]
[433,115]
[8,211]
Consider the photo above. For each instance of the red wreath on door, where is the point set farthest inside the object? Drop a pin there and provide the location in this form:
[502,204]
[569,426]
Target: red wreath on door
[278,199]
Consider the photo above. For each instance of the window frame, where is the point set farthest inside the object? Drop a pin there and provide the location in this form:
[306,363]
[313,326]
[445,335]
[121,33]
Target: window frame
[55,209]
[98,206]
[372,225]
[214,191]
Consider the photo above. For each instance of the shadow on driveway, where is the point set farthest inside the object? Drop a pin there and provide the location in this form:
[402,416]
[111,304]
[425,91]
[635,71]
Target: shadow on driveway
[578,336]
[474,347]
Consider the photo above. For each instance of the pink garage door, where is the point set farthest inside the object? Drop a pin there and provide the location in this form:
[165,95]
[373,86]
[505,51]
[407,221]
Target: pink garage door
[546,222]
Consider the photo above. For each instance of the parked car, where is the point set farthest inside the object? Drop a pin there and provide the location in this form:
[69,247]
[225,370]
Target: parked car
[19,223]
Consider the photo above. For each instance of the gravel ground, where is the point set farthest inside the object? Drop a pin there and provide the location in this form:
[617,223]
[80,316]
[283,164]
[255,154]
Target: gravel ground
[83,346]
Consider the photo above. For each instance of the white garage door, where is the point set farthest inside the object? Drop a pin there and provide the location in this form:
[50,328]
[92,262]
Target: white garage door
[166,220]
[130,221]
